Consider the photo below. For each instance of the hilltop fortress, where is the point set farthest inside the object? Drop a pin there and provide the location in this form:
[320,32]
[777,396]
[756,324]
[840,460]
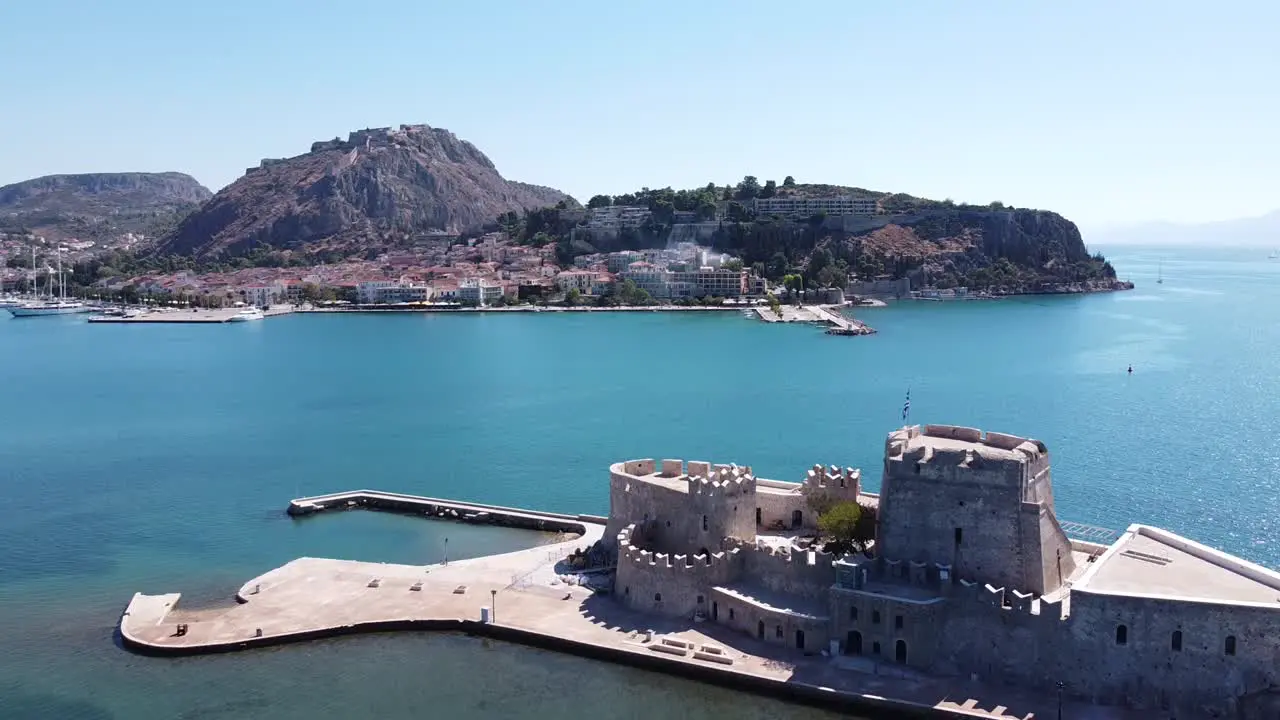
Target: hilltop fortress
[971,575]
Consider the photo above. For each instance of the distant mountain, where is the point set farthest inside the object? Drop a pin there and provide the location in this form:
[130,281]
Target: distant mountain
[98,205]
[1256,231]
[374,188]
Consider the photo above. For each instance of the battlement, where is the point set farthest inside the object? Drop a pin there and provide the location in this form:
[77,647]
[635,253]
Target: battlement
[945,447]
[632,553]
[833,477]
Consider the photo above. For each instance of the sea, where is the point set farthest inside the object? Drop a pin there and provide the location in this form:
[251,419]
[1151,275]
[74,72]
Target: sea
[160,458]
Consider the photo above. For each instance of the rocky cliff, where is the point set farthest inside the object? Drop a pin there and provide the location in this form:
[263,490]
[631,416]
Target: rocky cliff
[1001,250]
[97,205]
[376,187]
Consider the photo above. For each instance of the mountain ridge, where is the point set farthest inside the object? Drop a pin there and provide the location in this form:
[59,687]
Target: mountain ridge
[98,205]
[378,186]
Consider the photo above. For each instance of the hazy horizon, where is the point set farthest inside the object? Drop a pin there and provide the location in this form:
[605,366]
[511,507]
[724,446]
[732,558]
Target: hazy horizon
[1098,111]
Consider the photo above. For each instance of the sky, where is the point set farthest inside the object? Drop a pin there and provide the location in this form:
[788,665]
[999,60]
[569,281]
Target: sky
[1108,112]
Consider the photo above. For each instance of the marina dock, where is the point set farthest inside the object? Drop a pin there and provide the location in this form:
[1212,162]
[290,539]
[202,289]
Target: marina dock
[205,316]
[534,597]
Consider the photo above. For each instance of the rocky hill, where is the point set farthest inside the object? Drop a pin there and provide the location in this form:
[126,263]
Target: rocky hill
[97,206]
[375,188]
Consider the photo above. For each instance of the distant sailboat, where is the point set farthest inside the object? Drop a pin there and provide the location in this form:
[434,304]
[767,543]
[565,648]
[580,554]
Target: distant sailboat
[1160,274]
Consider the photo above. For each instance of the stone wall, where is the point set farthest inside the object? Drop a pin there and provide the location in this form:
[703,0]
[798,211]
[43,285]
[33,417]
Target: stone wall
[807,573]
[887,628]
[779,506]
[666,583]
[793,630]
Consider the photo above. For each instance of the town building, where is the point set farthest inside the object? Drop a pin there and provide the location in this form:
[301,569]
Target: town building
[581,280]
[479,291]
[617,216]
[390,292]
[803,207]
[971,574]
[263,295]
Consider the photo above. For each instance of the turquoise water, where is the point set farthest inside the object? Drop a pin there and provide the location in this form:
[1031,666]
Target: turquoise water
[159,458]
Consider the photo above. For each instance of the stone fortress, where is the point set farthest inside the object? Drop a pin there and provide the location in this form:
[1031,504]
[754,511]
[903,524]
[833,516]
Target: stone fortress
[971,575]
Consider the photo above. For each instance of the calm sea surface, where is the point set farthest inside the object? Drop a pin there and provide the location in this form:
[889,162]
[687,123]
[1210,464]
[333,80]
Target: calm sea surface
[160,458]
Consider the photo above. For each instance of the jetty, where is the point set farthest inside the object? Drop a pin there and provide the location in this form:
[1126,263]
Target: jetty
[536,597]
[836,322]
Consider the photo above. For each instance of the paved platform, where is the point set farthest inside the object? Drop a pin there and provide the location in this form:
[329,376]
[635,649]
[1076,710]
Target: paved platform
[536,600]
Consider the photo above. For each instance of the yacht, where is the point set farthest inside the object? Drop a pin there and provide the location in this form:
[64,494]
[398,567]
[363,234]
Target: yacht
[50,305]
[246,315]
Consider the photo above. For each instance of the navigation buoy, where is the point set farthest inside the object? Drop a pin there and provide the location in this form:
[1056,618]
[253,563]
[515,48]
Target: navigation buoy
[1130,369]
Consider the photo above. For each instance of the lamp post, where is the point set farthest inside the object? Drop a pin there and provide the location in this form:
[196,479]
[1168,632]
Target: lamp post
[446,551]
[493,606]
[1059,700]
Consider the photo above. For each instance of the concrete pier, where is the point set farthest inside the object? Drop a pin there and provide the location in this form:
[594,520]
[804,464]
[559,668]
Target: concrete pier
[535,599]
[479,513]
[837,324]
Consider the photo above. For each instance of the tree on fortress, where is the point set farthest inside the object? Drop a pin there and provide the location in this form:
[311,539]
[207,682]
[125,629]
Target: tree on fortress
[599,201]
[748,189]
[843,524]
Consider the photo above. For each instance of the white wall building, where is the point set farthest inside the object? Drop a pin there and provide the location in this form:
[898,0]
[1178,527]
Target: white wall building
[808,206]
[477,291]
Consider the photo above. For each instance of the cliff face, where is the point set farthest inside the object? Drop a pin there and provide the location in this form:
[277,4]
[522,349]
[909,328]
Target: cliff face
[375,186]
[99,204]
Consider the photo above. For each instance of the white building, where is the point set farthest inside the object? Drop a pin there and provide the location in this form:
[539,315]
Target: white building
[388,292]
[581,280]
[792,206]
[480,292]
[263,295]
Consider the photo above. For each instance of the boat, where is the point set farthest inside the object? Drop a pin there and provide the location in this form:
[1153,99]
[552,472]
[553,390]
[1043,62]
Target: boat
[55,307]
[246,315]
[50,305]
[1160,274]
[1275,255]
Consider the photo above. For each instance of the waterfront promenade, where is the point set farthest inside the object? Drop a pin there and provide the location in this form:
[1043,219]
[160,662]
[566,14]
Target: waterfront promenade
[536,599]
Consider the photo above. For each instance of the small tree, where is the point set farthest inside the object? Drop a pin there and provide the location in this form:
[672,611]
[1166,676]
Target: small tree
[788,181]
[774,305]
[841,522]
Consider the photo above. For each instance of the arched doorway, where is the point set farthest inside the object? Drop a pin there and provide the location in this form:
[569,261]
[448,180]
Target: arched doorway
[900,652]
[797,518]
[800,639]
[760,630]
[853,643]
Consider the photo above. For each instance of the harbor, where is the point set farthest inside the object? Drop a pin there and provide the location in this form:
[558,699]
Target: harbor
[539,597]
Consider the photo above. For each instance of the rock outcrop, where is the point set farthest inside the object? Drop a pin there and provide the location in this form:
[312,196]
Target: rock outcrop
[375,187]
[97,205]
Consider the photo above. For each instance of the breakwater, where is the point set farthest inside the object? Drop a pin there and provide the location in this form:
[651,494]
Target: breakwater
[479,513]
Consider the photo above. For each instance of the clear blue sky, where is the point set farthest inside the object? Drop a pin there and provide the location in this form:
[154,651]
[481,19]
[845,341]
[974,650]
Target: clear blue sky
[1107,111]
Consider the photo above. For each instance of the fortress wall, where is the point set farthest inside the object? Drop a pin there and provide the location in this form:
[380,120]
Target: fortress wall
[720,505]
[970,526]
[795,572]
[870,621]
[778,507]
[770,626]
[632,500]
[666,583]
[1199,679]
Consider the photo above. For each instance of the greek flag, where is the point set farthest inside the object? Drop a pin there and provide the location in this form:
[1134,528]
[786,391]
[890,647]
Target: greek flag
[906,406]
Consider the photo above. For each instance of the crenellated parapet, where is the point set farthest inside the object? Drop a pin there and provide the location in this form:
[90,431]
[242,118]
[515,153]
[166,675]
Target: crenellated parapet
[788,569]
[669,583]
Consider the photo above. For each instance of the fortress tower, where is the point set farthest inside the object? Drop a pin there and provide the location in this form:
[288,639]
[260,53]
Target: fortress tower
[981,503]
